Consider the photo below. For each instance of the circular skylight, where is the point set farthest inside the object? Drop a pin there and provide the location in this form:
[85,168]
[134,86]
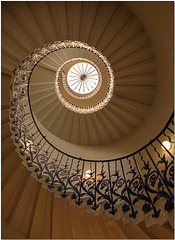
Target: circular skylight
[82,85]
[82,78]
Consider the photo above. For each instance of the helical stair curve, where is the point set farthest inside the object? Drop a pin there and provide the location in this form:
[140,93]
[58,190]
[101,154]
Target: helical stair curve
[136,187]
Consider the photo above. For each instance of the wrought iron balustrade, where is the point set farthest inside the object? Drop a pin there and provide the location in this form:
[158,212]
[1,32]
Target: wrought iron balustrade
[143,176]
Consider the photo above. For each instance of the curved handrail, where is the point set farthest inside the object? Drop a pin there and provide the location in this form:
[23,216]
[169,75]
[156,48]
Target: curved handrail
[145,176]
[68,155]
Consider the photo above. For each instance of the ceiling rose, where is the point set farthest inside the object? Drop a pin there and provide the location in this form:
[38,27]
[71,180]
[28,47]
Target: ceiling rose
[83,79]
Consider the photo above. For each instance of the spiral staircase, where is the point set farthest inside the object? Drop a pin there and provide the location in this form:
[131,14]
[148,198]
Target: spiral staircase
[124,137]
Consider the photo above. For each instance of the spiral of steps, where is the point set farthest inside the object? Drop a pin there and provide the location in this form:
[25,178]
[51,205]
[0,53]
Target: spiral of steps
[127,48]
[29,208]
[121,115]
[32,211]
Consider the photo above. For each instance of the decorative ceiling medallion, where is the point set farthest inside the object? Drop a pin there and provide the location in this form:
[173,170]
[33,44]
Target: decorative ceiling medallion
[83,80]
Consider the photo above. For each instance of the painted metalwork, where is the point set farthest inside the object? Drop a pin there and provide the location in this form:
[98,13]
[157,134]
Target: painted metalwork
[144,176]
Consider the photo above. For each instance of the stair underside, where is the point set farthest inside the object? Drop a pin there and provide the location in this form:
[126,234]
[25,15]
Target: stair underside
[30,209]
[125,44]
[24,30]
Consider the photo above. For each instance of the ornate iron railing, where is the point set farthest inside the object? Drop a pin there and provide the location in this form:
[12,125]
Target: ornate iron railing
[144,176]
